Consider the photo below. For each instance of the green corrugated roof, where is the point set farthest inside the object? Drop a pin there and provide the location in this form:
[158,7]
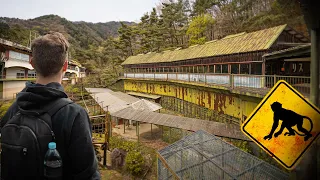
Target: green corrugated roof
[237,43]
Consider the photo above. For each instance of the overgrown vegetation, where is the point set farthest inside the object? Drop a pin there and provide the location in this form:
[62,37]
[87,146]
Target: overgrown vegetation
[4,106]
[134,162]
[139,160]
[102,47]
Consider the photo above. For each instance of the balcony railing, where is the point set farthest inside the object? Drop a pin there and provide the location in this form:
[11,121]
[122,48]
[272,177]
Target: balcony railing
[2,77]
[257,83]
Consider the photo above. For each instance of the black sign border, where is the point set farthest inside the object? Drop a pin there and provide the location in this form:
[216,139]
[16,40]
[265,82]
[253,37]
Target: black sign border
[243,127]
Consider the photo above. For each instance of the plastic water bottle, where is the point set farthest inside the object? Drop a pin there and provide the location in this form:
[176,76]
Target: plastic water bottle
[52,163]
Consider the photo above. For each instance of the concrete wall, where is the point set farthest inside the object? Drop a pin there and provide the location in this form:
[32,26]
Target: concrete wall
[10,88]
[12,72]
[222,101]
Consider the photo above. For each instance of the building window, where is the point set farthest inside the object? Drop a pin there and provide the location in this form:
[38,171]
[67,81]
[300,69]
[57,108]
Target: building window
[200,69]
[20,75]
[32,74]
[71,67]
[234,68]
[195,69]
[211,68]
[20,56]
[256,68]
[225,68]
[244,68]
[186,69]
[218,68]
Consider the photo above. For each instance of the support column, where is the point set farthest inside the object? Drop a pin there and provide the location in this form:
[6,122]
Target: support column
[263,67]
[162,132]
[170,134]
[136,128]
[314,66]
[307,169]
[124,126]
[151,130]
[138,123]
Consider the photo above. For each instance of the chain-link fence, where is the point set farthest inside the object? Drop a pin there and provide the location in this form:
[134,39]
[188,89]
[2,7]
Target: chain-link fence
[205,156]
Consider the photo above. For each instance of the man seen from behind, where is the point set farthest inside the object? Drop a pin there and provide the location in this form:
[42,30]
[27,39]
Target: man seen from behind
[42,113]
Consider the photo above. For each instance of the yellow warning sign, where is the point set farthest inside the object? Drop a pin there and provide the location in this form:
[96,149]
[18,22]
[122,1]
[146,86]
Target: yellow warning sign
[284,124]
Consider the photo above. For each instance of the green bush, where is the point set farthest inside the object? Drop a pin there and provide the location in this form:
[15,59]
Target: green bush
[118,142]
[4,106]
[134,162]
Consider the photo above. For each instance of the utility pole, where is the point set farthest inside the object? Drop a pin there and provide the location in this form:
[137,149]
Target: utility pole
[30,39]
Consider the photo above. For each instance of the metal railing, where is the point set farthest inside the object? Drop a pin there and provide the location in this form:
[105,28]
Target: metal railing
[253,82]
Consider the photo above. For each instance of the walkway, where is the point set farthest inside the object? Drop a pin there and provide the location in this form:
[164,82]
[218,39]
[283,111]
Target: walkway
[190,124]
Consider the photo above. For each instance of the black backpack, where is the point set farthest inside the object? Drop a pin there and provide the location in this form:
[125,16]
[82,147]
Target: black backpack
[24,141]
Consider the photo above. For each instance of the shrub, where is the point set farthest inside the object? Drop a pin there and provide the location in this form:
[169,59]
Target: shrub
[4,106]
[134,162]
[117,142]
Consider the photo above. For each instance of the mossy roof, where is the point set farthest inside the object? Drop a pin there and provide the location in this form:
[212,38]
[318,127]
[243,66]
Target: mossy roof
[74,62]
[232,44]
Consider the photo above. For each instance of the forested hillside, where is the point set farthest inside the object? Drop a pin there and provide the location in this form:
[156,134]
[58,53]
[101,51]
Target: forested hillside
[101,47]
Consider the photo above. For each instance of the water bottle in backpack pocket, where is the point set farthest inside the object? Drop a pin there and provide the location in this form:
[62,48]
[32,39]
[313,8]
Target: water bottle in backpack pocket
[24,143]
[52,163]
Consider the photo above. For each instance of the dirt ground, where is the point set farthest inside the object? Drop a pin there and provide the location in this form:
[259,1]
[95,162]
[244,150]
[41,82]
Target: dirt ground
[147,138]
[152,140]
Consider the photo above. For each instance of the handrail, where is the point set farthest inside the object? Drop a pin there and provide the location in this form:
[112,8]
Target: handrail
[301,83]
[88,111]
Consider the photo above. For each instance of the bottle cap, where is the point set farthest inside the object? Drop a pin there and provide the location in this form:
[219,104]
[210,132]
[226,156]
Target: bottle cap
[52,145]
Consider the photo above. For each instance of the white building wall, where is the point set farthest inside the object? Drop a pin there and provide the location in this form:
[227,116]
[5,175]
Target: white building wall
[82,74]
[10,88]
[18,60]
[74,71]
[11,73]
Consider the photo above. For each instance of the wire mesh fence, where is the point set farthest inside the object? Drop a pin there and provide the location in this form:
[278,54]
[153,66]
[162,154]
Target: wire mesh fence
[205,156]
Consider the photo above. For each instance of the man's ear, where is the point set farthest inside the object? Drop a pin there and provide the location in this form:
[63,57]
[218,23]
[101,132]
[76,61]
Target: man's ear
[30,61]
[65,66]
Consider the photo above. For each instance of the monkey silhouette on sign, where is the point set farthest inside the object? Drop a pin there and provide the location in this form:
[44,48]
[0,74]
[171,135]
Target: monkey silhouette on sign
[289,119]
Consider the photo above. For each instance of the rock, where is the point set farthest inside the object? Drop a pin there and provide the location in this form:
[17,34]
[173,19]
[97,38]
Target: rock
[117,158]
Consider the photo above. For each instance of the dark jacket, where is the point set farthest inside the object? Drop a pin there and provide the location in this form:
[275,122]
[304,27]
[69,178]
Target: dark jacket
[74,143]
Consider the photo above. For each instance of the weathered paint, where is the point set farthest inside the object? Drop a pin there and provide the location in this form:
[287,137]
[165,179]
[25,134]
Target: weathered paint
[220,100]
[286,149]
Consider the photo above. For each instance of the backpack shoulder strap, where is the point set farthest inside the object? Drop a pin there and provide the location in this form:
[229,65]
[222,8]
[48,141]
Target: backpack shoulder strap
[53,108]
[49,110]
[57,105]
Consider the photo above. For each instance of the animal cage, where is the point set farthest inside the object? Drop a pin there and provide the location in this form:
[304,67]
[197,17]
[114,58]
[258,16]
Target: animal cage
[204,156]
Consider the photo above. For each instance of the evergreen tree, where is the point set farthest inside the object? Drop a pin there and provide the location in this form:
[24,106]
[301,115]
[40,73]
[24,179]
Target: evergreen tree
[200,29]
[202,6]
[126,39]
[175,21]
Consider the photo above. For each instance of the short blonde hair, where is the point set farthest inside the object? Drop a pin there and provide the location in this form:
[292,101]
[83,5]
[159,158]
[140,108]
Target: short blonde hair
[49,53]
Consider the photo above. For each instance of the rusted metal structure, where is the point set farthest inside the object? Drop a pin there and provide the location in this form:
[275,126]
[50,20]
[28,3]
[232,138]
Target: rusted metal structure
[183,123]
[234,54]
[294,61]
[236,61]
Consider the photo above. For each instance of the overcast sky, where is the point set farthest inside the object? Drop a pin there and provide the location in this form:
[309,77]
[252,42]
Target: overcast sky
[78,10]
